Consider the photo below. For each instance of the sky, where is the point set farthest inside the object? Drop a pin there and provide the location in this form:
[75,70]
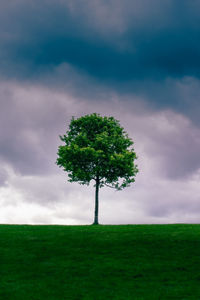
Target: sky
[135,60]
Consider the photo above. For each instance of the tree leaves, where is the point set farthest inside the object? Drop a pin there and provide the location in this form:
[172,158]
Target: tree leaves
[97,146]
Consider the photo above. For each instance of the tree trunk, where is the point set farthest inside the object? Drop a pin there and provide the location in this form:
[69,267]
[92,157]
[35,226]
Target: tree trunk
[96,202]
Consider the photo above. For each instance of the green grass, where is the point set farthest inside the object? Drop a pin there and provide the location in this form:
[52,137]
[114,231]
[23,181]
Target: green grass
[100,262]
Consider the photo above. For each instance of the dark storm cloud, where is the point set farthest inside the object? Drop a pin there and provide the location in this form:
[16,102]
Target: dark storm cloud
[110,40]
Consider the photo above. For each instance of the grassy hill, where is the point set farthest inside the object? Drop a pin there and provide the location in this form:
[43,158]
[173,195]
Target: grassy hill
[100,262]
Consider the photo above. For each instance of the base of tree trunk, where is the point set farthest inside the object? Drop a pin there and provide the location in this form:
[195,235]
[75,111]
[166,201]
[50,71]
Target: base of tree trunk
[95,223]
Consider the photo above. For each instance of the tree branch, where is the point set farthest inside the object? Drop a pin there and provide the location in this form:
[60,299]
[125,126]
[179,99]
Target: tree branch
[110,186]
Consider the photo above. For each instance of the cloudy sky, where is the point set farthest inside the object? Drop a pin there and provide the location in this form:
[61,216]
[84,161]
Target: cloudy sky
[136,60]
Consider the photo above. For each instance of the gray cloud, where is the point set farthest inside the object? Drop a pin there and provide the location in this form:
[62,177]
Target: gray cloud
[175,142]
[169,164]
[3,177]
[33,116]
[29,120]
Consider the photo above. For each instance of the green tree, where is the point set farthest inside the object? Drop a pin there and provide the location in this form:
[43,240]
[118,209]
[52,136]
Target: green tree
[97,148]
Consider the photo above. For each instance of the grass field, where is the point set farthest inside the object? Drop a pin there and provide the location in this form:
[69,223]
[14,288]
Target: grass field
[100,262]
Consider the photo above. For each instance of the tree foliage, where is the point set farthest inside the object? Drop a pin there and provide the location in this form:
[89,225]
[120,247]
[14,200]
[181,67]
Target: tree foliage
[97,147]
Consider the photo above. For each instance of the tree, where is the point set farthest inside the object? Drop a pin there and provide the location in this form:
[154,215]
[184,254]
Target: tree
[97,148]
